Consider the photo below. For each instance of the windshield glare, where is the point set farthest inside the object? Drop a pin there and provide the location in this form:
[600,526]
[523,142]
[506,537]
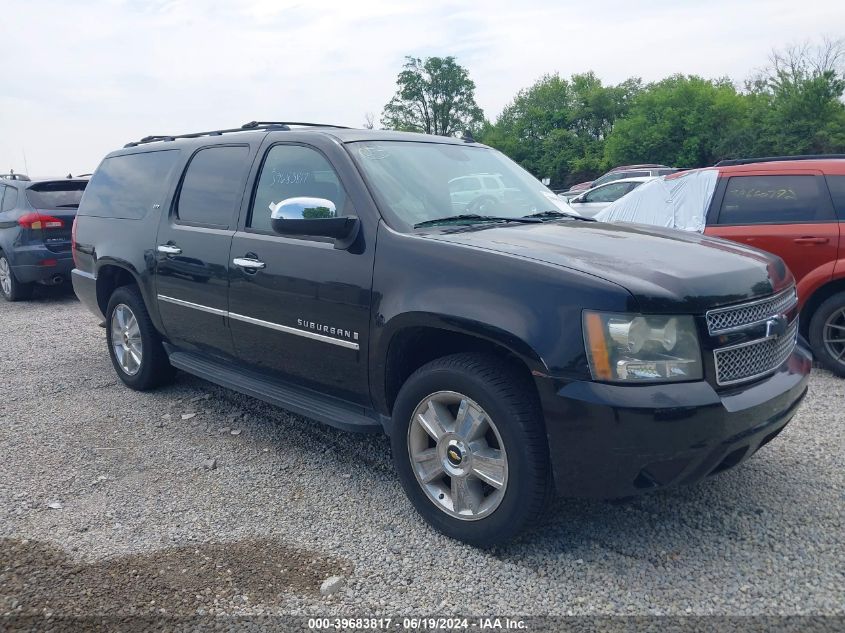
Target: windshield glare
[415,182]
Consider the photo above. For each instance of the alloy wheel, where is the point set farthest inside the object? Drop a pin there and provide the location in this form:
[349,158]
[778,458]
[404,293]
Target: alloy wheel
[833,335]
[5,276]
[126,339]
[457,455]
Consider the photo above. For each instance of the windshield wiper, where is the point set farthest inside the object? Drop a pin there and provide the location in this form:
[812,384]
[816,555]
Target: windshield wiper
[67,206]
[559,214]
[474,217]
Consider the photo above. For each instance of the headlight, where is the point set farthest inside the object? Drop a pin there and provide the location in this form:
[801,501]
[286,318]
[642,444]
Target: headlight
[638,348]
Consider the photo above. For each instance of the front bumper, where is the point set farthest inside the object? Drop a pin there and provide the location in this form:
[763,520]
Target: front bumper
[609,441]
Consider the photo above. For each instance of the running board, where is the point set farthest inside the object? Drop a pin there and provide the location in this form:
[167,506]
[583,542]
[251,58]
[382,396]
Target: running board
[305,402]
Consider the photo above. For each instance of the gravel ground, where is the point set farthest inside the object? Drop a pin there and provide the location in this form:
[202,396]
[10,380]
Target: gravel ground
[194,499]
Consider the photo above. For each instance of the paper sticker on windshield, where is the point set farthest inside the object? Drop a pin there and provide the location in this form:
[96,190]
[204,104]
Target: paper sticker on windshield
[373,152]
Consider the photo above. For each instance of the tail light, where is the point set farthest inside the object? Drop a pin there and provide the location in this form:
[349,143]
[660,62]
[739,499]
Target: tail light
[39,221]
[73,243]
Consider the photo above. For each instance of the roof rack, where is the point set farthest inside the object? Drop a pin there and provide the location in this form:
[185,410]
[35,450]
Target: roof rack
[775,159]
[246,127]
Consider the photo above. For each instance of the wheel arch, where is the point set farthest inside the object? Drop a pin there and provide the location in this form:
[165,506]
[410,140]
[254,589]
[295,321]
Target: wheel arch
[421,338]
[111,275]
[819,296]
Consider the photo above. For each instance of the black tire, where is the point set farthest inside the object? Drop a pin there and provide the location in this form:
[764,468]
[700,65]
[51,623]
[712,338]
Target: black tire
[831,310]
[508,397]
[16,290]
[155,369]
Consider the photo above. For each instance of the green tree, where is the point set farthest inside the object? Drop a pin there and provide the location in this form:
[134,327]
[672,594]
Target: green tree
[683,120]
[434,96]
[558,127]
[796,100]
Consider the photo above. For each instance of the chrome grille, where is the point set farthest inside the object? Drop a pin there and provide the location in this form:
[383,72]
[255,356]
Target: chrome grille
[727,319]
[747,361]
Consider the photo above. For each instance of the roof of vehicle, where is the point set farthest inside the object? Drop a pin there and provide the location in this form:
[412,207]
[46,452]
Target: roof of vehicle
[640,166]
[260,129]
[833,166]
[629,179]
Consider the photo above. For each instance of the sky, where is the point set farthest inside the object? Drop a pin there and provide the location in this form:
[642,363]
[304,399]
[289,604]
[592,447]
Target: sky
[81,79]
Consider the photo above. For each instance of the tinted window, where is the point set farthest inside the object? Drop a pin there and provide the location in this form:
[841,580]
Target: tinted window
[56,195]
[213,185]
[10,200]
[773,200]
[837,192]
[609,193]
[293,171]
[127,186]
[6,198]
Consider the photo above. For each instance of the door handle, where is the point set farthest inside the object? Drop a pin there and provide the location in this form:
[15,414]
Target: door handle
[247,263]
[169,249]
[811,240]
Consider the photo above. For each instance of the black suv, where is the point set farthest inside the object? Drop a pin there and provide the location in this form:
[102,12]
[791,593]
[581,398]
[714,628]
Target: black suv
[509,349]
[35,232]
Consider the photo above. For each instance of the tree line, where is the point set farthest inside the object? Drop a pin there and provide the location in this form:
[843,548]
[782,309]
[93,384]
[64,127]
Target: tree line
[574,129]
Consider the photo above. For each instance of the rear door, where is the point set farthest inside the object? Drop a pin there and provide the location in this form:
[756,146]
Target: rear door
[192,249]
[788,214]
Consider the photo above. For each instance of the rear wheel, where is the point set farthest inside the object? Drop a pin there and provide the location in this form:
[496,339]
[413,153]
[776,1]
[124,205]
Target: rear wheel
[134,344]
[470,448]
[827,333]
[10,287]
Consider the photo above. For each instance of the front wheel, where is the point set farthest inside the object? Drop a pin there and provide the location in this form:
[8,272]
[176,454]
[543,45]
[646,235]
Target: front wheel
[827,333]
[134,344]
[470,448]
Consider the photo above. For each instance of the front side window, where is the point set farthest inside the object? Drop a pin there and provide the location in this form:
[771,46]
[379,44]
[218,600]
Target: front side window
[608,193]
[418,182]
[213,186]
[293,171]
[773,200]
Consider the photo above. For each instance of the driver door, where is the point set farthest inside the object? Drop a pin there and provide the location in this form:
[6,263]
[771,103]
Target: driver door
[299,309]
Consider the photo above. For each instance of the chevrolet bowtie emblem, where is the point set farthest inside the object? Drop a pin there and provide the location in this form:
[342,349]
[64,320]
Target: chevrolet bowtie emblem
[776,326]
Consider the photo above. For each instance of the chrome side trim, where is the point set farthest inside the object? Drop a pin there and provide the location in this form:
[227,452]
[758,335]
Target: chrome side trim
[195,306]
[268,324]
[290,330]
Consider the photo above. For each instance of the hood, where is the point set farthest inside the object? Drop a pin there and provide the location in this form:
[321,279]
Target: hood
[667,271]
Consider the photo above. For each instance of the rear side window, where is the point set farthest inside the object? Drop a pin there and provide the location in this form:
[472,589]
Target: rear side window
[60,194]
[127,186]
[10,200]
[837,192]
[213,186]
[773,200]
[491,183]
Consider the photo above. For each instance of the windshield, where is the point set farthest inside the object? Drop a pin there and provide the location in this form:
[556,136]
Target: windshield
[419,182]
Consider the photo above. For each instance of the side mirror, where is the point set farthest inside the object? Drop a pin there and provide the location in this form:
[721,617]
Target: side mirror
[578,198]
[314,217]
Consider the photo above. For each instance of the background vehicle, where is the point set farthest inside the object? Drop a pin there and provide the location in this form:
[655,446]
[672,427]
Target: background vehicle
[469,193]
[594,200]
[36,218]
[623,171]
[791,206]
[506,355]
